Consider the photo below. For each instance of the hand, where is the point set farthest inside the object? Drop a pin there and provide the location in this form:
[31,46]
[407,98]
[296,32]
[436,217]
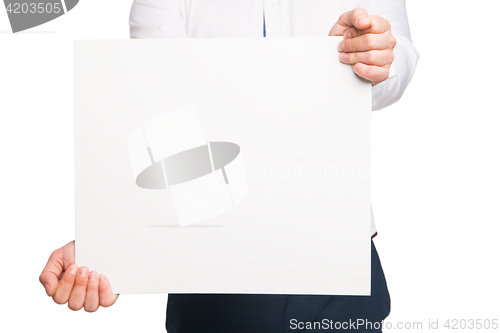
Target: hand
[368,44]
[65,282]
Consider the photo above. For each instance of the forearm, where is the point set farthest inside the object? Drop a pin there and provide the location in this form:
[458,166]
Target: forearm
[400,75]
[405,54]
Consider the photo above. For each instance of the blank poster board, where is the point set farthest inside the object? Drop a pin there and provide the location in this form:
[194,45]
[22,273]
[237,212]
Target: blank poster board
[222,166]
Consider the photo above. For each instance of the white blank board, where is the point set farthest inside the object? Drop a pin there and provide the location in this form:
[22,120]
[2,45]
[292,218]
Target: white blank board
[222,166]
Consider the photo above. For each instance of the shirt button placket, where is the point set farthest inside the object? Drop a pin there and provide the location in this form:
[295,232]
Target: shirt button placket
[270,12]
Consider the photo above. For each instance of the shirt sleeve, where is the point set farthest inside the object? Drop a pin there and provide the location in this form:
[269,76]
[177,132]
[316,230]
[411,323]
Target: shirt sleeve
[405,54]
[157,19]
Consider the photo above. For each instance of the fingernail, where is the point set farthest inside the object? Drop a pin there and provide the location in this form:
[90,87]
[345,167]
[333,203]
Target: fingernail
[102,277]
[47,287]
[341,47]
[347,35]
[363,20]
[93,276]
[73,269]
[344,57]
[83,271]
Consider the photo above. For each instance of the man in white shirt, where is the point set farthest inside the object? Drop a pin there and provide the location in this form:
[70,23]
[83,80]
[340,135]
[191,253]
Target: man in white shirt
[377,44]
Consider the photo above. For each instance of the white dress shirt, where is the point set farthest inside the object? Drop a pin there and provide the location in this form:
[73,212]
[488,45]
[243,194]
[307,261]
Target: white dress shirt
[283,18]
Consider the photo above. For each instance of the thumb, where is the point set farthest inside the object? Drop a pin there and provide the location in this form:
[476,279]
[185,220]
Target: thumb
[357,18]
[338,29]
[58,262]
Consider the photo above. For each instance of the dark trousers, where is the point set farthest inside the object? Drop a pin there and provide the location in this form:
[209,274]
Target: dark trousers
[249,313]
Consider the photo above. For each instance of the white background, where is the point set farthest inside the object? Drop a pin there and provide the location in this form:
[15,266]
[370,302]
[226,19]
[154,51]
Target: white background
[435,170]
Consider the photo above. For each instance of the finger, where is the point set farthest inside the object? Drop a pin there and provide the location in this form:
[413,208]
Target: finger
[50,274]
[367,42]
[92,297]
[357,18]
[65,285]
[106,296]
[375,74]
[77,296]
[374,57]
